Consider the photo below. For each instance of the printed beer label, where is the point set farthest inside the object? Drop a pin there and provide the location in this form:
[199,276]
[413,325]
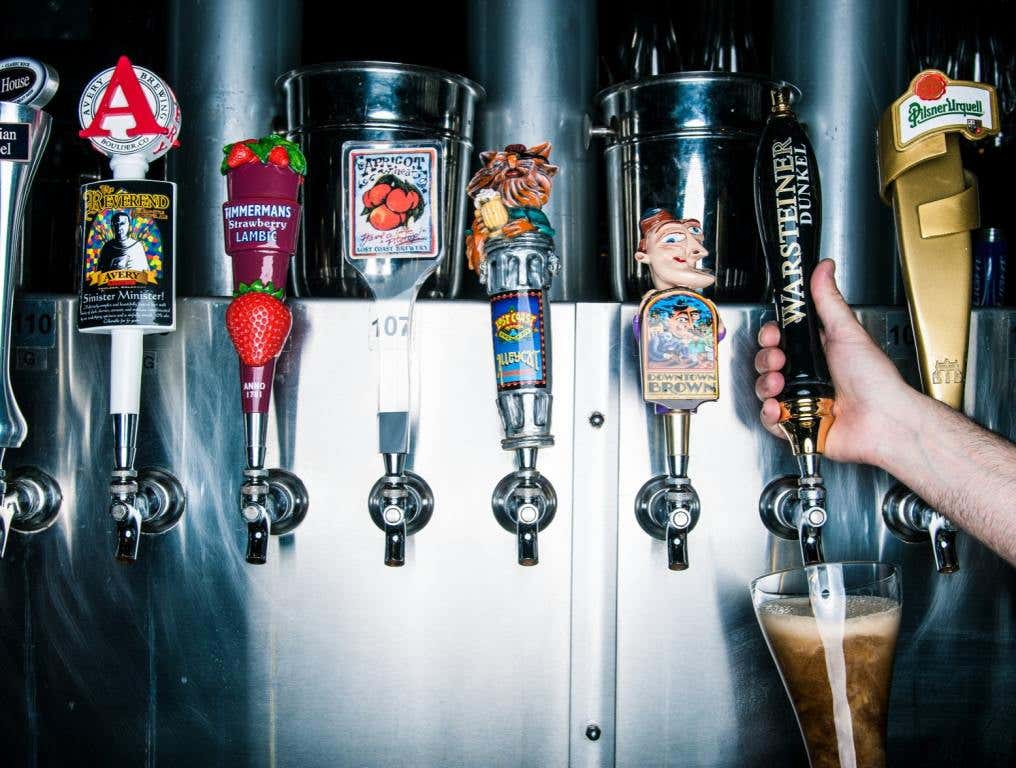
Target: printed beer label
[127,260]
[256,223]
[520,353]
[14,142]
[678,340]
[392,202]
[935,104]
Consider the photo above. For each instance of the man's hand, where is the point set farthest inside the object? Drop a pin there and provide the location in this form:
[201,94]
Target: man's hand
[870,393]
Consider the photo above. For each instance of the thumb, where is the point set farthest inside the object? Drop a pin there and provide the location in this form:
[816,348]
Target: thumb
[829,303]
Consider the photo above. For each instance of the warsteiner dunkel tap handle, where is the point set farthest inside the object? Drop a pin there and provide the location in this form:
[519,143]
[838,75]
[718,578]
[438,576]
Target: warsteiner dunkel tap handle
[260,221]
[788,209]
[511,245]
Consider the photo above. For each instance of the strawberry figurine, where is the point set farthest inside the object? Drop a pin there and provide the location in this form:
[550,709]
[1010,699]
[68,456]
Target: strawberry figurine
[258,322]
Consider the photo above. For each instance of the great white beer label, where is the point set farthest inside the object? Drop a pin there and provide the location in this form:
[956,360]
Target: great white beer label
[935,104]
[678,340]
[14,143]
[392,202]
[128,110]
[127,259]
[27,81]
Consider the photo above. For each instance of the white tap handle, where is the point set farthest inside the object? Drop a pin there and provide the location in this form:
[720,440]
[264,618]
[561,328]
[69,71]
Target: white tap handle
[125,357]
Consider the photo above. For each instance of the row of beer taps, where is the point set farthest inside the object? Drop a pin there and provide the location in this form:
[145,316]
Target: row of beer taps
[392,239]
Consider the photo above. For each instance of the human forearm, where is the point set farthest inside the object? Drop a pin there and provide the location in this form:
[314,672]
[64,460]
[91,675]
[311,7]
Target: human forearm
[962,470]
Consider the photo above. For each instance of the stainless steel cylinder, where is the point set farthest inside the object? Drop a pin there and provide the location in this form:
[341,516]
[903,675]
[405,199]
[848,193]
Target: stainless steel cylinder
[223,60]
[687,143]
[537,59]
[330,104]
[849,60]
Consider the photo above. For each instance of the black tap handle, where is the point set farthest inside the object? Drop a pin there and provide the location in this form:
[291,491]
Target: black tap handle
[258,534]
[528,541]
[788,210]
[128,536]
[677,547]
[395,543]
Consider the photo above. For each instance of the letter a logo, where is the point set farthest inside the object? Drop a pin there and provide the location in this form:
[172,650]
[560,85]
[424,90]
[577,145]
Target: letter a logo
[126,82]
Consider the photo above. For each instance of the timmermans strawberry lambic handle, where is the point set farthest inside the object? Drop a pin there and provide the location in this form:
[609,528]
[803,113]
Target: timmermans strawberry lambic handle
[260,219]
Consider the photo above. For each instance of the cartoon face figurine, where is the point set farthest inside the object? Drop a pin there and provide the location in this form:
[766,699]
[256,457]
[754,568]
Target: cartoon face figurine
[671,248]
[510,191]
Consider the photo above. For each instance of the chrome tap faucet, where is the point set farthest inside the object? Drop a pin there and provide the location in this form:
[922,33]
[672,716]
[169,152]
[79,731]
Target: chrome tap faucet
[913,520]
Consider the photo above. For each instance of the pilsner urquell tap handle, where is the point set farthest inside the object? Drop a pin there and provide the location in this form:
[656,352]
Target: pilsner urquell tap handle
[128,274]
[678,331]
[392,195]
[935,205]
[260,220]
[26,86]
[511,246]
[788,209]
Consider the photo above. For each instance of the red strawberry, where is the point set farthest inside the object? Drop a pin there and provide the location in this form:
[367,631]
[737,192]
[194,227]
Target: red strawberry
[258,322]
[279,156]
[239,154]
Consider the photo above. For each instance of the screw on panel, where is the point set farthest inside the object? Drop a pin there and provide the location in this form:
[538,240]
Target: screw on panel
[596,419]
[593,732]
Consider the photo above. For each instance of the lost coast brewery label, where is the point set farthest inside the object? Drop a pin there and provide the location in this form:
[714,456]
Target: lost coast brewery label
[392,202]
[936,104]
[127,263]
[128,110]
[520,354]
[27,81]
[678,338]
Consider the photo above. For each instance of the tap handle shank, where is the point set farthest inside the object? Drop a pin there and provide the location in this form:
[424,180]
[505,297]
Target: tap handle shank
[128,531]
[258,532]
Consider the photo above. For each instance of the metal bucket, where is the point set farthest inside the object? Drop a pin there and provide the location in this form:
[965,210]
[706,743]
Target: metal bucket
[330,104]
[687,143]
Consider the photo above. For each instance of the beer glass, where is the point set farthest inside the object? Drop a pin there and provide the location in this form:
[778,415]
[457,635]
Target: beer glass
[832,630]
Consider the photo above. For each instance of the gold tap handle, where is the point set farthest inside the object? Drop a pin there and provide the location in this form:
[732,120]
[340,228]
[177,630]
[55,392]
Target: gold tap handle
[935,206]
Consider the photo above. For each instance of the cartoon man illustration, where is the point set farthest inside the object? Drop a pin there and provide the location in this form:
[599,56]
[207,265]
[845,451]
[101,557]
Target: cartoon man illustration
[122,252]
[671,248]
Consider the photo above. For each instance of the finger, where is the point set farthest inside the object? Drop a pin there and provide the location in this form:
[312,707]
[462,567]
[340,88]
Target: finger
[770,416]
[769,385]
[769,335]
[832,309]
[769,359]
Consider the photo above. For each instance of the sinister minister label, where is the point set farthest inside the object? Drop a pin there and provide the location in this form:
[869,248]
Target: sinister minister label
[520,354]
[127,263]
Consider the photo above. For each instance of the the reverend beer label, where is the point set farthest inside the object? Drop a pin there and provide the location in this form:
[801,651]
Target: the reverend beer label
[127,259]
[14,142]
[520,353]
[678,345]
[392,199]
[936,104]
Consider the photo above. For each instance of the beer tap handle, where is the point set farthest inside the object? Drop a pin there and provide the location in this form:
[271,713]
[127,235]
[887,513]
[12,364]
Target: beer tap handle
[943,542]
